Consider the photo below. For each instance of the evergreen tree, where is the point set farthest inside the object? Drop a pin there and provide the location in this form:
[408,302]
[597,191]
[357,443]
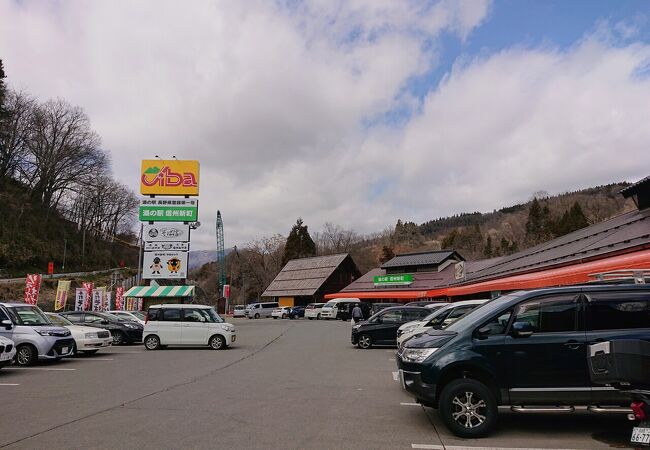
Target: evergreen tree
[539,226]
[487,251]
[299,243]
[573,219]
[387,254]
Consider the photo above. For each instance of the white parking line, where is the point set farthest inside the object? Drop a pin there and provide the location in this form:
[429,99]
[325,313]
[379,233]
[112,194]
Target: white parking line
[39,368]
[391,359]
[465,447]
[98,359]
[9,384]
[428,446]
[395,376]
[409,404]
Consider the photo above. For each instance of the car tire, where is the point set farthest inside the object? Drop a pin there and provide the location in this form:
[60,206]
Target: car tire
[318,316]
[284,316]
[152,342]
[468,408]
[310,318]
[119,338]
[25,355]
[274,317]
[257,315]
[74,349]
[217,342]
[364,341]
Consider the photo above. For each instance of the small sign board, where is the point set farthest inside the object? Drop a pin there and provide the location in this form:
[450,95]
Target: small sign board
[459,270]
[164,265]
[166,246]
[395,279]
[168,210]
[166,232]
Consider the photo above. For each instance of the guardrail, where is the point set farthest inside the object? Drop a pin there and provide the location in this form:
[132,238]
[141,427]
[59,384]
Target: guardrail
[61,275]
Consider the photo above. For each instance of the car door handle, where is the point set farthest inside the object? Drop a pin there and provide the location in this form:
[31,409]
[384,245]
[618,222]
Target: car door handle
[573,345]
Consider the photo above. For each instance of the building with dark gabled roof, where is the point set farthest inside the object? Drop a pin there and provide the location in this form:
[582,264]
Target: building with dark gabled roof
[306,280]
[621,243]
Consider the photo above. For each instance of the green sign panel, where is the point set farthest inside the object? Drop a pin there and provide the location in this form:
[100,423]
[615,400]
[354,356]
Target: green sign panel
[393,279]
[166,213]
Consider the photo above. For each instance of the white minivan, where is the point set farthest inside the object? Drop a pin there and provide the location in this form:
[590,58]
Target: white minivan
[258,310]
[313,311]
[339,308]
[179,324]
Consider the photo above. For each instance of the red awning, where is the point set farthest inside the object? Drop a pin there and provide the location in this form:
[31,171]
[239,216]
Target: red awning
[562,276]
[379,294]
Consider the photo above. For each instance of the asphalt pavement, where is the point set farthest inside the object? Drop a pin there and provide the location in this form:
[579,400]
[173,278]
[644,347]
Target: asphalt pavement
[283,385]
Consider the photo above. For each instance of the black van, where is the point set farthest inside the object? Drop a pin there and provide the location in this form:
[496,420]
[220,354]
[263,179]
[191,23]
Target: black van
[527,350]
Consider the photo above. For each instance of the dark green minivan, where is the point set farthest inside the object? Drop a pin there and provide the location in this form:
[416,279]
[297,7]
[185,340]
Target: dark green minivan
[527,350]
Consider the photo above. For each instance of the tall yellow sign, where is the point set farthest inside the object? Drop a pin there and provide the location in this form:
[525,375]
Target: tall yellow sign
[169,177]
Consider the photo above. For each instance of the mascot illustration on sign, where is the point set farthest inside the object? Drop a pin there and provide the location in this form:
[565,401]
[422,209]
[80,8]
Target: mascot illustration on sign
[174,265]
[156,266]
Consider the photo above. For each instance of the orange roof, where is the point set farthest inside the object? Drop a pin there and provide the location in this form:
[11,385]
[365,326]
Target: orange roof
[379,294]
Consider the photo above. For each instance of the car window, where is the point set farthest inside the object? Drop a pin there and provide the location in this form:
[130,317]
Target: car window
[90,318]
[549,315]
[3,316]
[153,314]
[460,312]
[413,314]
[439,318]
[194,315]
[394,316]
[497,325]
[171,315]
[75,318]
[618,311]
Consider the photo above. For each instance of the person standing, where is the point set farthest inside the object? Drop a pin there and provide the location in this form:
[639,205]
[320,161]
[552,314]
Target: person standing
[357,314]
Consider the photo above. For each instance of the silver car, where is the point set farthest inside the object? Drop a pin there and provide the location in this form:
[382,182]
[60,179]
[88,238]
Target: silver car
[33,333]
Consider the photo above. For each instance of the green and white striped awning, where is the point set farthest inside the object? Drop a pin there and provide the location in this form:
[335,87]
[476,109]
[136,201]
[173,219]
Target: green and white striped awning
[160,291]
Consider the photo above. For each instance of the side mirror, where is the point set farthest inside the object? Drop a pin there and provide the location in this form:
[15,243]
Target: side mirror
[482,333]
[522,329]
[7,324]
[104,322]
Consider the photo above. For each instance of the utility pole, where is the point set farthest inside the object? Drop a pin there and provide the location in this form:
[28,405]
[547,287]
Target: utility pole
[221,258]
[65,246]
[139,277]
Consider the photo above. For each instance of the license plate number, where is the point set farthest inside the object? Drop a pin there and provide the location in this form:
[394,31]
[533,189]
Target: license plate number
[640,435]
[64,350]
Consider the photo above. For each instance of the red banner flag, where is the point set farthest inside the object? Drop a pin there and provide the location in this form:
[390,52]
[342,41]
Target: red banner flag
[32,286]
[119,298]
[89,295]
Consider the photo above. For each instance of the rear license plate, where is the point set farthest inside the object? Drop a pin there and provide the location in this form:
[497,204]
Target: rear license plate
[64,350]
[640,435]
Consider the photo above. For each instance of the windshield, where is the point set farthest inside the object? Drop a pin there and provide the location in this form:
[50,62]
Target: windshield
[481,311]
[59,320]
[113,317]
[329,305]
[29,315]
[214,316]
[139,314]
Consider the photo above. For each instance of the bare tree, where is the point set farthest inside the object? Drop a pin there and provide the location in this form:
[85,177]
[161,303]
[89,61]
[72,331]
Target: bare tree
[62,151]
[335,239]
[15,132]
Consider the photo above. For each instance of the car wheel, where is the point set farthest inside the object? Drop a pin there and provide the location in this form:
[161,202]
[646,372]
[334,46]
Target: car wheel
[257,315]
[118,338]
[152,342]
[74,349]
[25,355]
[468,408]
[318,316]
[284,316]
[365,341]
[217,342]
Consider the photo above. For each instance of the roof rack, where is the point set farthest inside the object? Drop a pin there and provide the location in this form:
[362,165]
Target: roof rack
[638,276]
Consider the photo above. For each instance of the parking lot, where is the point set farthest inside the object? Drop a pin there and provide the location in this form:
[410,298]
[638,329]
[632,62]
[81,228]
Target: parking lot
[285,384]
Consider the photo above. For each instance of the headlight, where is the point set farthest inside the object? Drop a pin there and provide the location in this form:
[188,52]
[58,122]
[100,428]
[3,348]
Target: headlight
[356,327]
[229,328]
[91,335]
[417,355]
[131,325]
[53,333]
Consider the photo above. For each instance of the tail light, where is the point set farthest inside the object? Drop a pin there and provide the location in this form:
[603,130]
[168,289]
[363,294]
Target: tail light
[638,410]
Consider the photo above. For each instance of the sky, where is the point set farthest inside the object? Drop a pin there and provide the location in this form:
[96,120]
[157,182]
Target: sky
[353,112]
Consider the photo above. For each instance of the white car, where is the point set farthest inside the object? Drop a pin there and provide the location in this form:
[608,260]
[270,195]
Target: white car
[187,325]
[239,311]
[7,351]
[281,312]
[133,316]
[441,318]
[87,340]
[314,310]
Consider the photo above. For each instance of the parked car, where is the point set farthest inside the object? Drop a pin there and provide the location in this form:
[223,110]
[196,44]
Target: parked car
[439,319]
[133,316]
[87,340]
[281,313]
[183,324]
[523,349]
[297,312]
[382,328]
[123,331]
[314,310]
[239,311]
[427,302]
[376,307]
[7,351]
[341,308]
[259,310]
[33,334]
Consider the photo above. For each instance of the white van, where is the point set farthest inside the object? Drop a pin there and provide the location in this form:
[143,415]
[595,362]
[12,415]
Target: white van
[175,324]
[313,311]
[339,308]
[258,310]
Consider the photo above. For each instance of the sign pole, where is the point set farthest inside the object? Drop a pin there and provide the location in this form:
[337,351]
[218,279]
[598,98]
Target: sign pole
[140,255]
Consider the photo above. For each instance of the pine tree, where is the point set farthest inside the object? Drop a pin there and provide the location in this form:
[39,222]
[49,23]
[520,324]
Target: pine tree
[299,243]
[387,254]
[487,251]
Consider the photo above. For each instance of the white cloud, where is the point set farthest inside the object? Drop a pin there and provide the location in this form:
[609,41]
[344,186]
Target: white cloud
[272,98]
